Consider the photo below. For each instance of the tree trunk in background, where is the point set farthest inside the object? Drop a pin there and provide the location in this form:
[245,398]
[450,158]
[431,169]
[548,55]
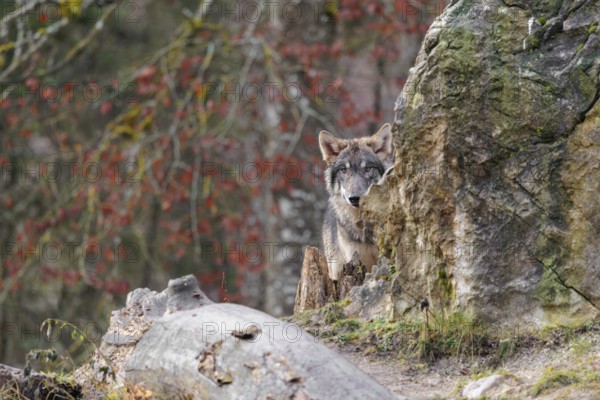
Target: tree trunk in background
[291,229]
[495,209]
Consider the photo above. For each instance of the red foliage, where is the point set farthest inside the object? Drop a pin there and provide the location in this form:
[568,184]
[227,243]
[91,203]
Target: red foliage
[151,144]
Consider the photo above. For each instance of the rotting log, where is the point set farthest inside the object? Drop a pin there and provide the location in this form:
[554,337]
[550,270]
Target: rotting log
[179,344]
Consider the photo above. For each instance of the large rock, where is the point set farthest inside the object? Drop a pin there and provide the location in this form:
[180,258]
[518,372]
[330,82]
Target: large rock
[178,344]
[494,208]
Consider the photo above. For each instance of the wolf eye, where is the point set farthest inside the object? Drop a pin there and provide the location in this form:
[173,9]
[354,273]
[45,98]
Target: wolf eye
[344,170]
[368,168]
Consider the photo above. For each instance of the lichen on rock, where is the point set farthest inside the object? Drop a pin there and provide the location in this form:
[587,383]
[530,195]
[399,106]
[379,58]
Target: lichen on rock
[494,209]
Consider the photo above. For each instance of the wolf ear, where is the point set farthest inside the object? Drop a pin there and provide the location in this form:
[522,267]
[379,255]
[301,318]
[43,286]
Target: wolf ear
[381,142]
[331,146]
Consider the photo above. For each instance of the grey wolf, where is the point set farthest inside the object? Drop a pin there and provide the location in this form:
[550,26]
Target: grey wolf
[352,167]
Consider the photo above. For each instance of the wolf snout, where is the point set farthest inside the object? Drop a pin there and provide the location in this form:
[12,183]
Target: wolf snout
[354,201]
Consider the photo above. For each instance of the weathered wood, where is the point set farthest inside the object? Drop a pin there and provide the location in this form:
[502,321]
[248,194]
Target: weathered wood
[179,344]
[315,288]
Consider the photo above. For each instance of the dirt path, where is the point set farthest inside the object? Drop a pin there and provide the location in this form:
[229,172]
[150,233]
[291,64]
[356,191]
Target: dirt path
[569,369]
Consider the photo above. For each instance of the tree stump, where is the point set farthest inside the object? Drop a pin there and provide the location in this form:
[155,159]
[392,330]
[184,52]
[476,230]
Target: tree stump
[316,288]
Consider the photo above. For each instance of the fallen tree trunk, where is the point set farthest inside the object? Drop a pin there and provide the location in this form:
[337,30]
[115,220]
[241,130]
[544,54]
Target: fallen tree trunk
[178,344]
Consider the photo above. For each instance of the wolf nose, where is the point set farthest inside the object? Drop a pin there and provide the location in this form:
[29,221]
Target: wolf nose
[354,201]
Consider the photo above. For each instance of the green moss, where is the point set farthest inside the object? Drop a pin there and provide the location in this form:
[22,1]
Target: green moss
[534,42]
[542,20]
[507,347]
[590,376]
[347,330]
[302,318]
[350,324]
[553,379]
[461,57]
[479,374]
[332,312]
[346,302]
[444,283]
[454,336]
[381,246]
[47,386]
[581,346]
[329,315]
[550,290]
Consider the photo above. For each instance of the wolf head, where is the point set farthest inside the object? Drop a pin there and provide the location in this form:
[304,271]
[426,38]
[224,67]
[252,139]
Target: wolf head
[356,164]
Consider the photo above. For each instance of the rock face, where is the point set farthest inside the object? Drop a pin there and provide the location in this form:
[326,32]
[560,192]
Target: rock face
[494,208]
[375,298]
[179,344]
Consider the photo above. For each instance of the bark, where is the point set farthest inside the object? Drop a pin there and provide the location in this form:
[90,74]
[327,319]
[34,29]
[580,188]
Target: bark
[315,288]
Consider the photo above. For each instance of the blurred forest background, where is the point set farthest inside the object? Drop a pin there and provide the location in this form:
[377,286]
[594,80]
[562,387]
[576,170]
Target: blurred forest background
[142,140]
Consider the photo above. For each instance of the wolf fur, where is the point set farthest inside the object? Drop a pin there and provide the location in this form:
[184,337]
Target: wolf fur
[352,167]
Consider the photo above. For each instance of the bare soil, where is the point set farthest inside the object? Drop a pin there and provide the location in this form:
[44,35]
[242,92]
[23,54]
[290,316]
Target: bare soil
[560,366]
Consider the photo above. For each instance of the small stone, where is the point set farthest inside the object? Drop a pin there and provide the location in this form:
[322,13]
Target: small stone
[483,386]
